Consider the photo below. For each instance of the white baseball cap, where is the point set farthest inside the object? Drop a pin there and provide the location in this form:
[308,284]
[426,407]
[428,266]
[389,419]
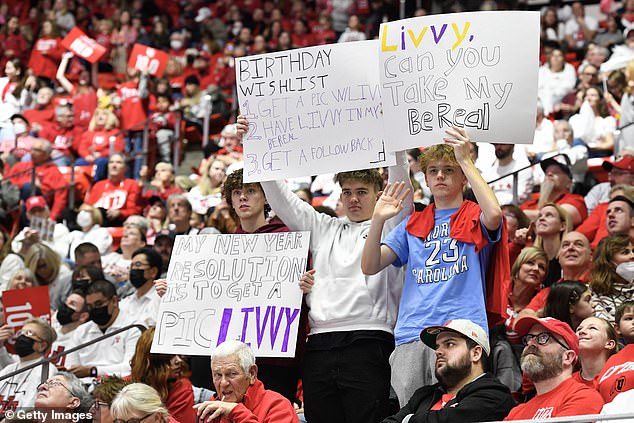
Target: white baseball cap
[464,327]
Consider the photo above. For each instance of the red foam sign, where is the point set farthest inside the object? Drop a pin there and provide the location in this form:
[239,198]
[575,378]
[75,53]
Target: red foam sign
[83,46]
[148,59]
[21,305]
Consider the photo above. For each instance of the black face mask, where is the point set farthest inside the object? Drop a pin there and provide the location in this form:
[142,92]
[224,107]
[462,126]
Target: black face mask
[24,346]
[65,314]
[81,284]
[100,315]
[137,279]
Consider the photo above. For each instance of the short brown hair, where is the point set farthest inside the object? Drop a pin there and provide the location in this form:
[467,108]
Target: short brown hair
[435,152]
[235,181]
[369,176]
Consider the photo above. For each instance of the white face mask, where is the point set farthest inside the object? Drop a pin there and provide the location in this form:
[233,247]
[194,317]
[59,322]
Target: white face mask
[626,271]
[84,219]
[176,44]
[19,128]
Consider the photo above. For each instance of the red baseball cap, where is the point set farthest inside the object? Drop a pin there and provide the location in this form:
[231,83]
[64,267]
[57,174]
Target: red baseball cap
[33,202]
[553,325]
[625,163]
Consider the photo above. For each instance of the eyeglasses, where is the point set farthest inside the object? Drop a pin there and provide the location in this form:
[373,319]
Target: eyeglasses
[30,334]
[96,406]
[132,420]
[542,339]
[53,382]
[139,265]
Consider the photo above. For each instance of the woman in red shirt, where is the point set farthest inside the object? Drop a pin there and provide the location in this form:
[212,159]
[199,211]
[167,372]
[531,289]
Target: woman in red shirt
[13,45]
[47,52]
[94,145]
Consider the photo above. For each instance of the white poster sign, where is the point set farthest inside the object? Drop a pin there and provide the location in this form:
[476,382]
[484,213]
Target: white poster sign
[241,287]
[311,111]
[476,70]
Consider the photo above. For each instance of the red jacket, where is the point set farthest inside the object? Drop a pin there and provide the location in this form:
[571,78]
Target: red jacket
[180,401]
[260,405]
[52,184]
[97,143]
[45,57]
[465,227]
[42,116]
[123,196]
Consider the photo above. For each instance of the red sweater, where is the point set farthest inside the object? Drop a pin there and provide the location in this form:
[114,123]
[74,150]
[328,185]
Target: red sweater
[45,57]
[123,196]
[65,140]
[52,184]
[42,116]
[97,143]
[180,401]
[261,405]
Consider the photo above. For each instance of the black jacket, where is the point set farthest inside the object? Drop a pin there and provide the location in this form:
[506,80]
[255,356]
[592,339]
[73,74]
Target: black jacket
[484,399]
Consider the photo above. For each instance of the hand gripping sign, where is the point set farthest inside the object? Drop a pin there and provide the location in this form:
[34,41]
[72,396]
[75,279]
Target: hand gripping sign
[83,46]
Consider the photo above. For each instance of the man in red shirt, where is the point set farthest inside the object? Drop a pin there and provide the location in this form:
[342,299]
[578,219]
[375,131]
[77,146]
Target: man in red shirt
[556,189]
[48,179]
[63,135]
[117,197]
[550,352]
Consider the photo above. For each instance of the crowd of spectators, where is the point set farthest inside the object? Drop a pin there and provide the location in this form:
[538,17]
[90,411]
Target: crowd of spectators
[532,307]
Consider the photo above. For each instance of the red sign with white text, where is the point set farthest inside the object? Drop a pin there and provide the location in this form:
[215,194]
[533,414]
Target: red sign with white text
[21,305]
[83,46]
[148,59]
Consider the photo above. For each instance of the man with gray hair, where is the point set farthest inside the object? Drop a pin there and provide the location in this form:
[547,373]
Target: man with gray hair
[179,212]
[63,135]
[49,181]
[240,396]
[64,393]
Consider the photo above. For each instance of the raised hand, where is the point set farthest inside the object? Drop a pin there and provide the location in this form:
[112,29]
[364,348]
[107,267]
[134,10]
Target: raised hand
[242,125]
[459,140]
[390,203]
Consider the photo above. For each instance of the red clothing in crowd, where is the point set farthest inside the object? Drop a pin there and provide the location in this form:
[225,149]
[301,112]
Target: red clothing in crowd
[180,401]
[261,405]
[123,196]
[577,376]
[574,200]
[97,143]
[132,113]
[43,116]
[84,106]
[17,44]
[570,398]
[45,57]
[595,227]
[539,300]
[64,140]
[617,375]
[51,182]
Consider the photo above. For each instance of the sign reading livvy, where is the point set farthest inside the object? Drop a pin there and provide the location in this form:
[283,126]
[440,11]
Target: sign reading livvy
[241,287]
[475,70]
[312,110]
[21,305]
[83,46]
[148,59]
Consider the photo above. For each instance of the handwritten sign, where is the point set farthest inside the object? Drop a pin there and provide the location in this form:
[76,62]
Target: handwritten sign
[311,111]
[475,70]
[242,287]
[21,305]
[83,46]
[148,59]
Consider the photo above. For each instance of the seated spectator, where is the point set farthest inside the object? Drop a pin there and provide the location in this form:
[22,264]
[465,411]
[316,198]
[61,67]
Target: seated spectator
[208,192]
[543,141]
[9,261]
[87,254]
[162,185]
[63,135]
[71,314]
[620,172]
[117,197]
[507,162]
[32,343]
[624,321]
[48,179]
[89,220]
[580,28]
[569,302]
[64,393]
[575,150]
[113,355]
[352,31]
[615,383]
[595,227]
[15,149]
[593,124]
[163,126]
[550,352]
[84,276]
[36,209]
[49,271]
[231,150]
[43,112]
[105,391]
[515,219]
[555,79]
[240,396]
[47,52]
[571,103]
[620,216]
[137,401]
[598,341]
[611,264]
[93,147]
[556,189]
[21,279]
[156,215]
[142,305]
[179,212]
[116,266]
[18,86]
[163,244]
[465,392]
[164,373]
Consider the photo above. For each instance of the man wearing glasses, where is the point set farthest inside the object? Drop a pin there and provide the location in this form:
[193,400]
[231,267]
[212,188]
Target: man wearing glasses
[143,304]
[32,342]
[63,393]
[550,352]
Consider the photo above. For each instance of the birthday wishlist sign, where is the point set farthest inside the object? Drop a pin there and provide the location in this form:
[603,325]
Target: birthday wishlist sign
[242,287]
[474,70]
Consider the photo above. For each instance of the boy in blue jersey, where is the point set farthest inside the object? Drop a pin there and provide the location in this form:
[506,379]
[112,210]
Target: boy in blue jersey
[447,249]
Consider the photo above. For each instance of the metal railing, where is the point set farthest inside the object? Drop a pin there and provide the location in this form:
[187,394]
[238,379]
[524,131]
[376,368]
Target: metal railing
[47,360]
